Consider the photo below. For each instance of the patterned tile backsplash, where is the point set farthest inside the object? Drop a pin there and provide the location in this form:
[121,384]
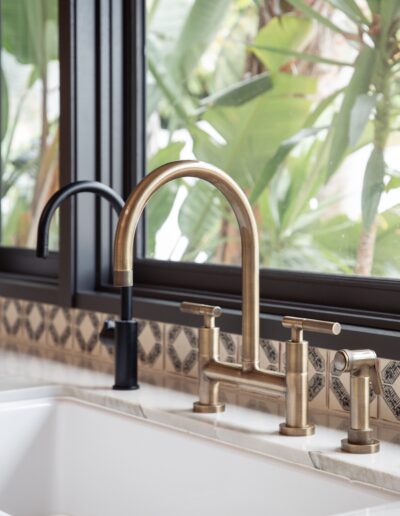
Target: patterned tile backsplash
[72,336]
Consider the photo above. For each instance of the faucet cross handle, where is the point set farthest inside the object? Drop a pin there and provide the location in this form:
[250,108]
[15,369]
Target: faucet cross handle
[209,312]
[298,324]
[363,367]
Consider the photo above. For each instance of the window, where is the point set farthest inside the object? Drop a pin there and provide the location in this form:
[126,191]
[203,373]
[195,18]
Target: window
[197,66]
[300,103]
[29,90]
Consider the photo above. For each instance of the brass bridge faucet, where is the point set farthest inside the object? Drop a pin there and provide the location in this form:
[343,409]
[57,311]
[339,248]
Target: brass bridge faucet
[294,382]
[212,371]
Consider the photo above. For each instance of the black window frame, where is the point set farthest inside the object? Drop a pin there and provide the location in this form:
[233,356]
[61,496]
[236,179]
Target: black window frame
[102,59]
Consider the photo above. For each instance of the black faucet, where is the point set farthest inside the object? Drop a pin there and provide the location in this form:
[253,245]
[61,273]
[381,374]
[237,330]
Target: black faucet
[123,332]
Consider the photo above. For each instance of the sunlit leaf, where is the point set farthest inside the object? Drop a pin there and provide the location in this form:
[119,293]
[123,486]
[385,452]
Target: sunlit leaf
[287,31]
[25,33]
[163,200]
[165,155]
[199,29]
[199,215]
[373,186]
[358,86]
[240,93]
[277,159]
[359,116]
[313,58]
[251,132]
[272,166]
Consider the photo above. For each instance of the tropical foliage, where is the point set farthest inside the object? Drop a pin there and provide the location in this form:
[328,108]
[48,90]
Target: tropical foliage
[29,116]
[299,101]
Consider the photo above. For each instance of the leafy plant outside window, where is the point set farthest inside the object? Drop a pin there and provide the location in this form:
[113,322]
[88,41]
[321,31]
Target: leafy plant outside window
[29,89]
[299,102]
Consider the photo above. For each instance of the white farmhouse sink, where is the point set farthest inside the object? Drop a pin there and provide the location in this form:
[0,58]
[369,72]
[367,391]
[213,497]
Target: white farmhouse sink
[65,457]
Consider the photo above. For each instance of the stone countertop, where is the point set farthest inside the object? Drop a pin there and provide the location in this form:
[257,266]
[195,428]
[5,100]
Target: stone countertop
[251,425]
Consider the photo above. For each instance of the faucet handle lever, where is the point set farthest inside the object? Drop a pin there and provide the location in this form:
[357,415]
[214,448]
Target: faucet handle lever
[298,324]
[376,379]
[209,312]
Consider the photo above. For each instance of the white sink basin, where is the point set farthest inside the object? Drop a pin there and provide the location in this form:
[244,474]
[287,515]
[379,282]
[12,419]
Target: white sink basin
[65,457]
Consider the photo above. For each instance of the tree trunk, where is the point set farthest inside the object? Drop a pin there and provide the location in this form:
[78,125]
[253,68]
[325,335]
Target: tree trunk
[366,249]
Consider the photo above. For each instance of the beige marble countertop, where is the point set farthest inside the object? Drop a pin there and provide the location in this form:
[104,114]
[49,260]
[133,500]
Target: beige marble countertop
[251,425]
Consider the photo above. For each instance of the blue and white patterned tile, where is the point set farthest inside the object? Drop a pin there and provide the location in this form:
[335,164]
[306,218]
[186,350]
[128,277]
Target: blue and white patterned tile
[36,323]
[13,317]
[181,350]
[389,402]
[59,333]
[339,390]
[269,354]
[151,344]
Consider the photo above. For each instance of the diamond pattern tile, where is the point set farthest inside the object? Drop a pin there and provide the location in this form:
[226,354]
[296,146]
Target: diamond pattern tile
[59,328]
[13,318]
[151,344]
[181,350]
[36,322]
[87,332]
[389,402]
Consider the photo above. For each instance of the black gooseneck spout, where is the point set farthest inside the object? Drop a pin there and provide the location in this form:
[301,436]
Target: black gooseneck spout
[123,332]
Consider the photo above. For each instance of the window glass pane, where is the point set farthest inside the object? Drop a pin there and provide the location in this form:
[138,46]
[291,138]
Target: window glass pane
[29,89]
[301,106]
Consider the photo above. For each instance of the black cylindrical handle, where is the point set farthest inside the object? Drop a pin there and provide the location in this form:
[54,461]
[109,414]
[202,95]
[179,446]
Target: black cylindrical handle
[126,344]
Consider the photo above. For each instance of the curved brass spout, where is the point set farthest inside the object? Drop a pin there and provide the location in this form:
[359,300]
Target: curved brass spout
[132,211]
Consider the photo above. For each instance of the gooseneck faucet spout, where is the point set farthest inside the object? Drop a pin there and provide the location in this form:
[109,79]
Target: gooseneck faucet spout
[137,201]
[123,332]
[64,193]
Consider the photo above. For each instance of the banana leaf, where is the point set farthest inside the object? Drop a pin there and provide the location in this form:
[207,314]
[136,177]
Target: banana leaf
[288,32]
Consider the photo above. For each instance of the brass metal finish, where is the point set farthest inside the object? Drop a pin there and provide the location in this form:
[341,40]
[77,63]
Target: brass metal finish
[212,372]
[256,380]
[363,367]
[372,447]
[208,409]
[200,309]
[207,311]
[133,209]
[298,324]
[297,423]
[301,431]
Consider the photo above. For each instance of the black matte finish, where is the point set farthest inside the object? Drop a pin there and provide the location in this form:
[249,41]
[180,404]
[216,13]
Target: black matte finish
[126,356]
[42,249]
[125,348]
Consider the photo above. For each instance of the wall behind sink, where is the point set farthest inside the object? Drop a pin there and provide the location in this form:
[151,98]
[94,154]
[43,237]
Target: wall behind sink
[71,336]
